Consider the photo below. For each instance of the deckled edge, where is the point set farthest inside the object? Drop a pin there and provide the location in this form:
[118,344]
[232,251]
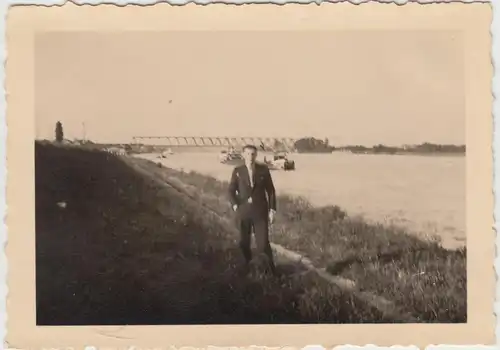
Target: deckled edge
[4,5]
[49,3]
[495,86]
[3,179]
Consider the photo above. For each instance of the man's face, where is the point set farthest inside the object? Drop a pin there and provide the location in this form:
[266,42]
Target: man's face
[249,155]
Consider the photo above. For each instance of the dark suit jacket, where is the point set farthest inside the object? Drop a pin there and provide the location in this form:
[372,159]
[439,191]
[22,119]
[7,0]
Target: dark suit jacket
[240,190]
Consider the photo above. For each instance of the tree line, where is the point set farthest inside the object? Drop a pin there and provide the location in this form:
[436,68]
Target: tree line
[314,145]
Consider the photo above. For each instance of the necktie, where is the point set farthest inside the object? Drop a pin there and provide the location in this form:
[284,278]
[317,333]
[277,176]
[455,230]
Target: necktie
[250,174]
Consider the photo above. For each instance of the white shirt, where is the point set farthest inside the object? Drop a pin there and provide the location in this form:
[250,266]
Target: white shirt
[250,169]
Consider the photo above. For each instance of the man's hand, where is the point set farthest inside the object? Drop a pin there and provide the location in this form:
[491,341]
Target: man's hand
[271,216]
[235,207]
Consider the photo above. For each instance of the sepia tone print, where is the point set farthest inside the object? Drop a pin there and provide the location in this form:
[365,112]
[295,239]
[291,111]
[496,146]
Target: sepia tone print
[206,176]
[152,222]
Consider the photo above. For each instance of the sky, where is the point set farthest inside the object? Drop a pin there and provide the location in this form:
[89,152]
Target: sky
[353,87]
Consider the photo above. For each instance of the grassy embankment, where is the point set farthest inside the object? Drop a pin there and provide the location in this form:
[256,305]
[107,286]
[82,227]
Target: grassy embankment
[125,250]
[418,276]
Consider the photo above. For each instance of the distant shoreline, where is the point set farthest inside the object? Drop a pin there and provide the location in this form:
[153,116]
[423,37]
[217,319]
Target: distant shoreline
[431,154]
[426,149]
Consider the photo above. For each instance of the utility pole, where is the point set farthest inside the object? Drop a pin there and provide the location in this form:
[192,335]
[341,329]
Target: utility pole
[84,135]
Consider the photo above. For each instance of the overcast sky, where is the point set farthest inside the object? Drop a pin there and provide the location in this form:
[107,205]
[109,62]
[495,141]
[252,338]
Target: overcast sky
[354,87]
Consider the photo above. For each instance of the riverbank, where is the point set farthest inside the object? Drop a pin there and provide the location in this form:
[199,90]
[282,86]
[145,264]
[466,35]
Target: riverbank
[420,276]
[423,195]
[114,248]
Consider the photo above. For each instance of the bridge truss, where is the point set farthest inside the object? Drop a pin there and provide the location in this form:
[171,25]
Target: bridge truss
[218,141]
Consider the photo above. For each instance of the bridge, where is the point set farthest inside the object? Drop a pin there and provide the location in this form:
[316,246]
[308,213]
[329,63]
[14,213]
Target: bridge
[219,141]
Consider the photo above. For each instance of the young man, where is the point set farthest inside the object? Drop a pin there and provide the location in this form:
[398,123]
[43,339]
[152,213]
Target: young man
[253,198]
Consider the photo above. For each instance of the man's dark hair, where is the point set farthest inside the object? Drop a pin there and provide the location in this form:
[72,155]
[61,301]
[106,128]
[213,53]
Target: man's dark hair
[250,147]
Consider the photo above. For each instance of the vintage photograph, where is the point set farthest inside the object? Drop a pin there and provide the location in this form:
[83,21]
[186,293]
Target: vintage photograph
[250,177]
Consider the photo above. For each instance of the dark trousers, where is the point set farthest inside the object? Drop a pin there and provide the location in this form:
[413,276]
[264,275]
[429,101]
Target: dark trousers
[261,230]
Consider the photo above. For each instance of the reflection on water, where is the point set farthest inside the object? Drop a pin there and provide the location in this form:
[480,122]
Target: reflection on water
[422,193]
